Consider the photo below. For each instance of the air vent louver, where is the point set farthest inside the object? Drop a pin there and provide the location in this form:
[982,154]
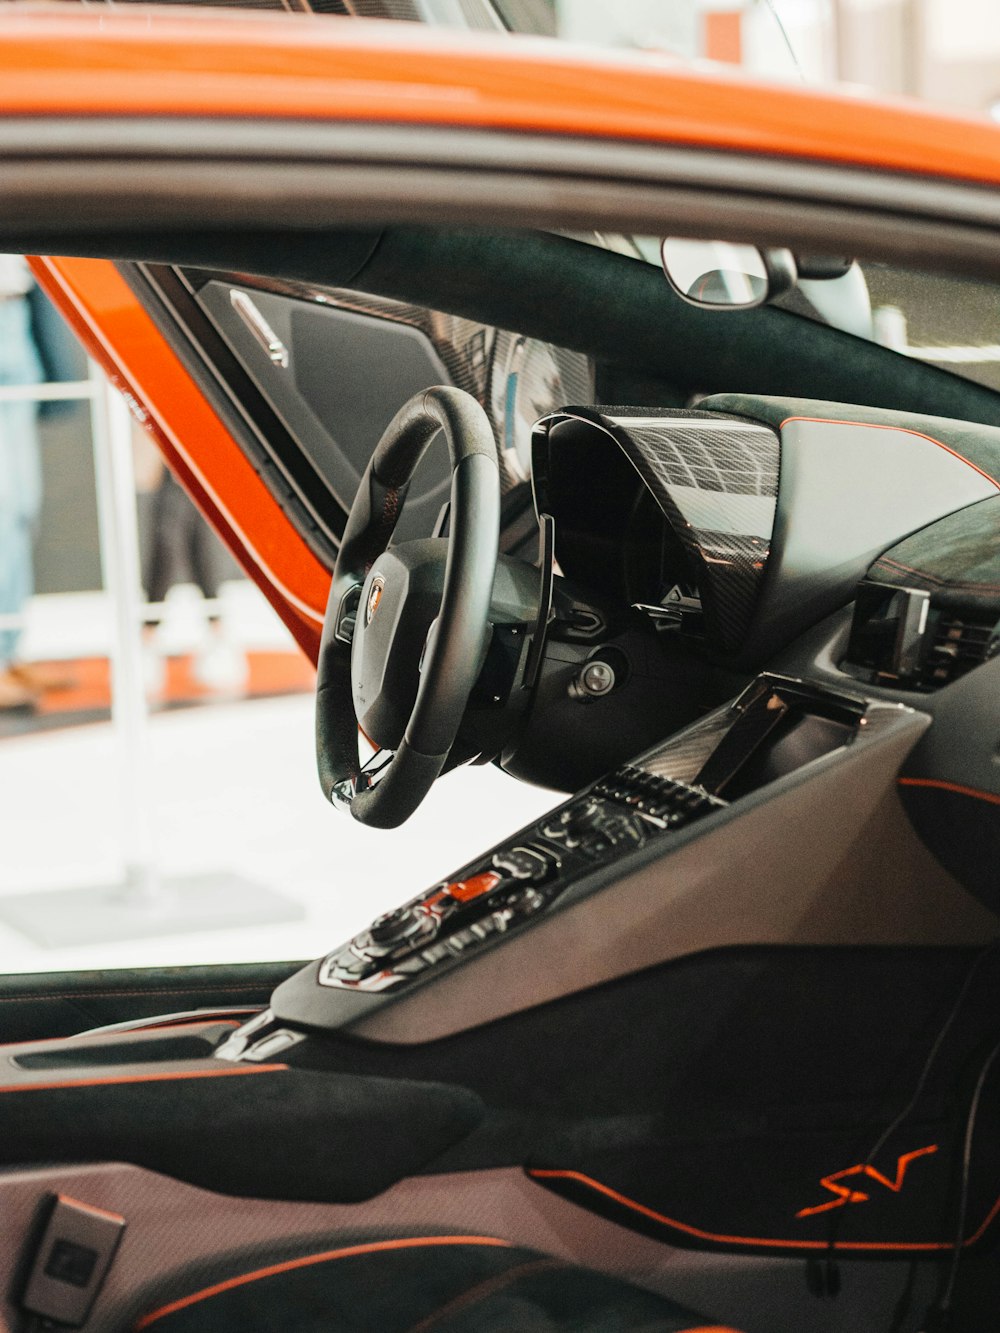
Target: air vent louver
[959,643]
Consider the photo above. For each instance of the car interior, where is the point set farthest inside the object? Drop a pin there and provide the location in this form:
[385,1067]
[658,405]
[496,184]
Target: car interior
[713,1043]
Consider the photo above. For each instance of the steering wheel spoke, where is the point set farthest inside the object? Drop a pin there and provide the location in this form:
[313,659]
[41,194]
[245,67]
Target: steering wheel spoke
[347,614]
[371,772]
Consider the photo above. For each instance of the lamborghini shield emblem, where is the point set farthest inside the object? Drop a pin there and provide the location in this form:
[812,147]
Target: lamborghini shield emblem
[374,597]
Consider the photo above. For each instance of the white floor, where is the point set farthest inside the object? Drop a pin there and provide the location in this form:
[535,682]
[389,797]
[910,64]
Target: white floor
[80,624]
[231,789]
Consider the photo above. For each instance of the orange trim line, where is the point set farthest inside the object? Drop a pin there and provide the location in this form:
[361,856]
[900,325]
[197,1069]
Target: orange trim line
[185,1023]
[142,1078]
[843,1195]
[108,1037]
[374,1247]
[904,430]
[90,1208]
[951,786]
[760,1241]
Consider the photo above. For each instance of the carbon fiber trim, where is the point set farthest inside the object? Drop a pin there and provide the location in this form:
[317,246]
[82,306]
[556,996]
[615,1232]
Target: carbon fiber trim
[715,479]
[528,379]
[515,379]
[717,483]
[683,757]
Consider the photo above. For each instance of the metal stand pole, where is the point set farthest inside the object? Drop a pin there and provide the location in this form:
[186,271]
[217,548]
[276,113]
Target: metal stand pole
[144,903]
[111,427]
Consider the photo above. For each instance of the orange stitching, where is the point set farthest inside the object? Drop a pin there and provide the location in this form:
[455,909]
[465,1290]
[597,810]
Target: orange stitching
[90,1208]
[845,1196]
[903,430]
[307,1261]
[181,1075]
[940,785]
[957,584]
[179,989]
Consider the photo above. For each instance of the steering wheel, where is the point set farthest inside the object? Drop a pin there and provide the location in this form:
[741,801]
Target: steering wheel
[407,626]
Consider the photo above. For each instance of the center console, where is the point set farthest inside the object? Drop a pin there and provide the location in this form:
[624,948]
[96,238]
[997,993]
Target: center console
[520,879]
[776,733]
[775,726]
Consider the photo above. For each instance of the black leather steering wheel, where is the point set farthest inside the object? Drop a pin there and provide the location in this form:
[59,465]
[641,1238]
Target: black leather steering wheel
[407,627]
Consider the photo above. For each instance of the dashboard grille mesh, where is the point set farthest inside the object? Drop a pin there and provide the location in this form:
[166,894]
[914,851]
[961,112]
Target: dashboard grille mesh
[716,480]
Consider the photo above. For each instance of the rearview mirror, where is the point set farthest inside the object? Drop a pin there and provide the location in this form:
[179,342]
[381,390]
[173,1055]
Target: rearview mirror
[722,275]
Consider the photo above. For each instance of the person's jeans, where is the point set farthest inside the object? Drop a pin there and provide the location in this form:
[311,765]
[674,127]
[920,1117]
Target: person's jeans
[20,469]
[16,581]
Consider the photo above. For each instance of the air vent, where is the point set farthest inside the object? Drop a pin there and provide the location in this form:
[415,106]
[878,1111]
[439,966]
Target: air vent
[958,643]
[901,637]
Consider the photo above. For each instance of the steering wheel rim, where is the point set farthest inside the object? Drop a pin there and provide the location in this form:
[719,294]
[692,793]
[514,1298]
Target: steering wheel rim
[386,793]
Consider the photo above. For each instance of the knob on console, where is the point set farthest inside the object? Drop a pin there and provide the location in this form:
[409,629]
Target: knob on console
[586,816]
[575,823]
[401,924]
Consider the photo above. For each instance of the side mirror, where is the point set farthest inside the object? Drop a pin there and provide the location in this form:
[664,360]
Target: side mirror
[721,275]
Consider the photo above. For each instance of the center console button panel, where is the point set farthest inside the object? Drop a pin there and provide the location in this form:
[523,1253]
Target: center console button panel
[604,837]
[456,917]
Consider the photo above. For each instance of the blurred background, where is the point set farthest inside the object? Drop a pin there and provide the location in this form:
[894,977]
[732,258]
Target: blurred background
[942,51]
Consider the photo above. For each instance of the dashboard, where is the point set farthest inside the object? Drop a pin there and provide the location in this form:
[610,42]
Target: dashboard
[771,515]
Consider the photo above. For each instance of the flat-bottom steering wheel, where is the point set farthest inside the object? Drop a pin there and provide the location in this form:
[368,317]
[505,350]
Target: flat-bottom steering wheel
[407,627]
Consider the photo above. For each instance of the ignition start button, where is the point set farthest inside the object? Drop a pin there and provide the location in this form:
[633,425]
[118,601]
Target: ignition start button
[465,890]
